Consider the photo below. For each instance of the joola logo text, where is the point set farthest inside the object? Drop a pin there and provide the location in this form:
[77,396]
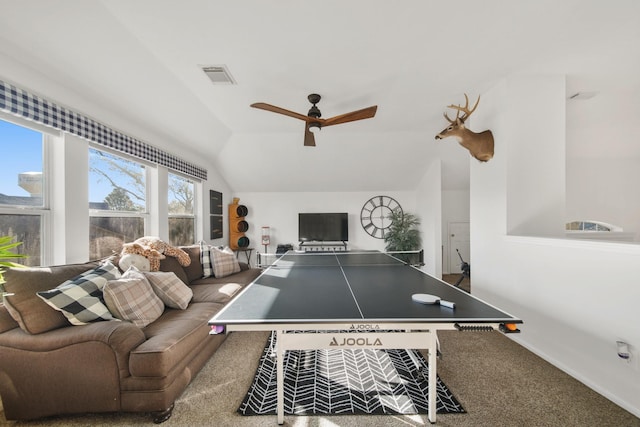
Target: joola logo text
[355,342]
[364,327]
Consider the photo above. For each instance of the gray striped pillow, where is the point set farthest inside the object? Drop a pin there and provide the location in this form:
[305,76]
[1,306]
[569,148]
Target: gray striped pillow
[132,298]
[171,290]
[224,262]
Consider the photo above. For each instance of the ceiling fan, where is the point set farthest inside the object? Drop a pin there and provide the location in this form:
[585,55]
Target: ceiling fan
[313,122]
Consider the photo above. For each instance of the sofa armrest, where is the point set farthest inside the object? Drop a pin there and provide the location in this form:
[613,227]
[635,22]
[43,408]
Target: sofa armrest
[121,337]
[70,370]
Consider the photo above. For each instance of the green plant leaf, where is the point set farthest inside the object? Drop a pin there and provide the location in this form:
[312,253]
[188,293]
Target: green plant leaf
[403,234]
[6,244]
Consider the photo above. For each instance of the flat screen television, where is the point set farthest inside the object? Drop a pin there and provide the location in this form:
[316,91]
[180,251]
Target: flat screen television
[323,227]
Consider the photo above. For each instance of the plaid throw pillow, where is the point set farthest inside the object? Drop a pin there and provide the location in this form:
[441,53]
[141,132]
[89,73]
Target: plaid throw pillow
[171,290]
[224,262]
[205,260]
[131,298]
[80,299]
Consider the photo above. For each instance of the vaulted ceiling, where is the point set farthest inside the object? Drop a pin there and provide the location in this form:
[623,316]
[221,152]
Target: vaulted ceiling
[137,65]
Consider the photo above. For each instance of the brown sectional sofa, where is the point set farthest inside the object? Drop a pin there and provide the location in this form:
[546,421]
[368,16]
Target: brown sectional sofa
[106,366]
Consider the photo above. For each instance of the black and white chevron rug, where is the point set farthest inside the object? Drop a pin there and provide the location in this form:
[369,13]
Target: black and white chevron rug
[345,382]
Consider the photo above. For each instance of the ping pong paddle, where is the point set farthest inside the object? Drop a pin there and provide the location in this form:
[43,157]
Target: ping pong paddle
[432,299]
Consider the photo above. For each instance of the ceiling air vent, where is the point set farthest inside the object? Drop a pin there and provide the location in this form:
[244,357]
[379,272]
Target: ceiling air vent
[219,75]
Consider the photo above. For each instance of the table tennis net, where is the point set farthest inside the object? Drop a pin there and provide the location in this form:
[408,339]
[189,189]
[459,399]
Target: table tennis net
[331,259]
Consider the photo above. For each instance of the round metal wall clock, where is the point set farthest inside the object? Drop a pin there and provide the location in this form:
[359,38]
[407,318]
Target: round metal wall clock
[374,215]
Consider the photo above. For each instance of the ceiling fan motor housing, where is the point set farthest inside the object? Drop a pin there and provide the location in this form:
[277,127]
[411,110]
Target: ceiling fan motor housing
[314,98]
[314,112]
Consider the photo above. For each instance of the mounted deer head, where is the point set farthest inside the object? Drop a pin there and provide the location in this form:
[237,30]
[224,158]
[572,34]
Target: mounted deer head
[480,145]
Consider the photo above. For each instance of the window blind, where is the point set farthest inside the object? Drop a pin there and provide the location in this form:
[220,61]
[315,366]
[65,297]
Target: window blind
[17,101]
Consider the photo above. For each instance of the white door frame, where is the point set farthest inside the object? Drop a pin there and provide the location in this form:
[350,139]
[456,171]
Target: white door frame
[458,231]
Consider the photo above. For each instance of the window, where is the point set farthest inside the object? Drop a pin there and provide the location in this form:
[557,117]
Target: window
[117,202]
[181,210]
[591,226]
[23,204]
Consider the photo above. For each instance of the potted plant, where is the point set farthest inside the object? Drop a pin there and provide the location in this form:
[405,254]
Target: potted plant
[6,245]
[403,235]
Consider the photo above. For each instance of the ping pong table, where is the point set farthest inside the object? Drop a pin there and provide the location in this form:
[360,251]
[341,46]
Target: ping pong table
[347,300]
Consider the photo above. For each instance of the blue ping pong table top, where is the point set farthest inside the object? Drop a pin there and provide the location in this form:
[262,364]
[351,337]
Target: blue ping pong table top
[349,287]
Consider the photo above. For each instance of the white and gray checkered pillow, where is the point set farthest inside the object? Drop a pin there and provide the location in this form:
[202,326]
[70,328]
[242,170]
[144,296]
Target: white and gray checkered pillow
[80,299]
[131,298]
[205,260]
[224,262]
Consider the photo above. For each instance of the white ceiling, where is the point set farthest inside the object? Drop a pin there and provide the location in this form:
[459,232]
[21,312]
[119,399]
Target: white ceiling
[136,65]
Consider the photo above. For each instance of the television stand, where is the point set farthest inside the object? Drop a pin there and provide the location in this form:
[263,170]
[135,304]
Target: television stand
[317,246]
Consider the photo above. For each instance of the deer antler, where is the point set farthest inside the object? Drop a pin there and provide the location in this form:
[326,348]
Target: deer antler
[464,109]
[452,121]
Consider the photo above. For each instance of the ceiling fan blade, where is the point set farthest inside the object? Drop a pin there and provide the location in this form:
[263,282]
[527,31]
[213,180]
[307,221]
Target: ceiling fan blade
[309,139]
[274,109]
[365,113]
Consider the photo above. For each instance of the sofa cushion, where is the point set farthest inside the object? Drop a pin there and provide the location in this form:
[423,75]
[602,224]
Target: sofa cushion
[171,290]
[219,293]
[194,270]
[225,262]
[244,278]
[79,300]
[132,298]
[171,339]
[32,314]
[171,265]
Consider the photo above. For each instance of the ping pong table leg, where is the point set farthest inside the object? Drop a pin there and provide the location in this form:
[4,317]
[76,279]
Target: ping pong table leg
[280,377]
[433,372]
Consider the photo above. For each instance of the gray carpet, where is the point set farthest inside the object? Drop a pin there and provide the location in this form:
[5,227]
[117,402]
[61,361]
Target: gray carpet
[498,382]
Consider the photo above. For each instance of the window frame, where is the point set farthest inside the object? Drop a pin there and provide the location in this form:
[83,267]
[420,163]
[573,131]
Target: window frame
[593,227]
[147,185]
[145,215]
[156,212]
[195,208]
[43,211]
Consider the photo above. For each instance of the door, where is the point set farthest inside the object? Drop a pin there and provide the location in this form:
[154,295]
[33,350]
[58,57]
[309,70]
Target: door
[459,238]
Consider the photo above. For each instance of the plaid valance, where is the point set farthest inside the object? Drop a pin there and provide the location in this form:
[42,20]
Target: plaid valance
[21,103]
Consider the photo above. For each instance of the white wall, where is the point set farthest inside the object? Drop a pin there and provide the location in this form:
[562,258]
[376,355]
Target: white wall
[429,210]
[605,189]
[535,146]
[576,298]
[279,211]
[603,157]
